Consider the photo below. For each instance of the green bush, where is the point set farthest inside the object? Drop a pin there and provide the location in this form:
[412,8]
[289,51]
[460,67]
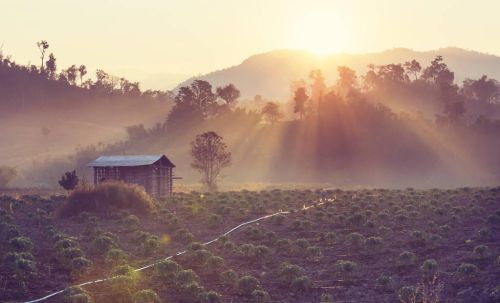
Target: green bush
[183,236]
[301,284]
[467,271]
[429,267]
[102,244]
[209,297]
[167,270]
[80,266]
[247,284]
[187,276]
[21,244]
[107,198]
[385,282]
[146,296]
[76,294]
[260,296]
[355,240]
[214,264]
[481,252]
[407,258]
[288,272]
[374,244]
[151,245]
[229,278]
[115,257]
[346,267]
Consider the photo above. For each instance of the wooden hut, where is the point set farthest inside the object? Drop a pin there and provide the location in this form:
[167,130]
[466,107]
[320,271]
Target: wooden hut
[153,172]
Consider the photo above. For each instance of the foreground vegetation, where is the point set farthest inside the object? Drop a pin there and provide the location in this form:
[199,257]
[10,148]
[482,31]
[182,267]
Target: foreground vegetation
[372,245]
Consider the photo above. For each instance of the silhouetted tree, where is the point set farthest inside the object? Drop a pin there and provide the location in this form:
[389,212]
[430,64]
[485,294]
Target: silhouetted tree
[228,93]
[272,112]
[210,156]
[71,74]
[300,100]
[192,104]
[42,46]
[51,66]
[69,180]
[413,67]
[347,80]
[317,86]
[82,71]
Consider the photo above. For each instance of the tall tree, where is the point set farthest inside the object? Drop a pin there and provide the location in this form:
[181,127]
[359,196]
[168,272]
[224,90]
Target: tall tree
[71,74]
[300,100]
[228,93]
[347,80]
[272,112]
[51,66]
[210,156]
[42,46]
[413,67]
[318,86]
[82,71]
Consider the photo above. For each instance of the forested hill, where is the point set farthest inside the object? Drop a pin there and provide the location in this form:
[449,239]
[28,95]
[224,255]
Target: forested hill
[270,74]
[46,112]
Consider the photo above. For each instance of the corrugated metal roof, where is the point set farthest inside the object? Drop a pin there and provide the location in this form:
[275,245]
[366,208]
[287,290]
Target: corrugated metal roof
[135,160]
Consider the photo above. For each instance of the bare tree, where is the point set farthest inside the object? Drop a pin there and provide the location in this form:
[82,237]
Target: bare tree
[42,46]
[210,156]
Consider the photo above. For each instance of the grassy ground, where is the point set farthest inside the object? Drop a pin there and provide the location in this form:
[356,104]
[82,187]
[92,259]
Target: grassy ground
[371,245]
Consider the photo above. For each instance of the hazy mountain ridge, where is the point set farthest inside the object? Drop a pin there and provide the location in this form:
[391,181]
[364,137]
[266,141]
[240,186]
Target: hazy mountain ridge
[270,74]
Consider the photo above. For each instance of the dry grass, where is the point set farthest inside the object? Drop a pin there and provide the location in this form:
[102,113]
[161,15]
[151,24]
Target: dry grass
[106,198]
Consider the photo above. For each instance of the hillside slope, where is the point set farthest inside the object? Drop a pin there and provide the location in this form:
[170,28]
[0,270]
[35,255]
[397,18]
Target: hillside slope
[270,74]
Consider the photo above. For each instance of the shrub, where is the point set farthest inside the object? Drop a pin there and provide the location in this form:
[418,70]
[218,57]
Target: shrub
[288,272]
[102,244]
[408,294]
[330,237]
[374,243]
[209,297]
[385,282]
[326,298]
[80,266]
[21,244]
[346,267]
[247,284]
[191,291]
[429,267]
[260,296]
[214,264]
[355,240]
[151,245]
[466,271]
[116,257]
[146,296]
[187,276]
[183,236]
[131,222]
[302,284]
[481,252]
[167,269]
[122,288]
[76,294]
[229,277]
[407,258]
[106,198]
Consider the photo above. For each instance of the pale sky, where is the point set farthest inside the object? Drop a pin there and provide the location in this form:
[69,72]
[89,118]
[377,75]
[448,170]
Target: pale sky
[172,40]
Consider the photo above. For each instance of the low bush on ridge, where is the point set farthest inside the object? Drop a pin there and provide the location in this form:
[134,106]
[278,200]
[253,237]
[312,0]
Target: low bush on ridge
[106,198]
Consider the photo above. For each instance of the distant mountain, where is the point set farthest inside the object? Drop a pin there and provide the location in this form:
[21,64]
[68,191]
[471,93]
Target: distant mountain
[270,74]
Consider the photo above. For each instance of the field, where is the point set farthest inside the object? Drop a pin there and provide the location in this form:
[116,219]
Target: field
[372,245]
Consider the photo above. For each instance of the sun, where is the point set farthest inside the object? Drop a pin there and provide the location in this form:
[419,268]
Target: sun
[320,33]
